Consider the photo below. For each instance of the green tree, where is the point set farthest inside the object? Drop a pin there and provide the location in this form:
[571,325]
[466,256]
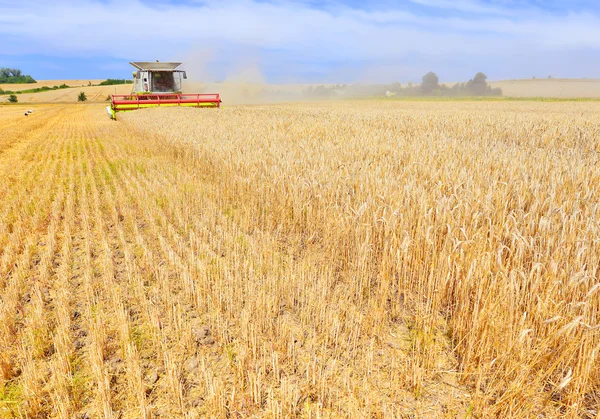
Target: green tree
[82,97]
[479,84]
[110,82]
[8,72]
[430,83]
[13,98]
[14,75]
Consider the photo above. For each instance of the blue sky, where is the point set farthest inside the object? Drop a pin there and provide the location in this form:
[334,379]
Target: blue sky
[304,40]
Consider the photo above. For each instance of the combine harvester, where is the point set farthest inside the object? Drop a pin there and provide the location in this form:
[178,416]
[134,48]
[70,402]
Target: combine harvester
[159,84]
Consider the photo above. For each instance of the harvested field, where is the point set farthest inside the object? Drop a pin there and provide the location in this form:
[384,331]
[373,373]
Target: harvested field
[94,94]
[47,83]
[349,259]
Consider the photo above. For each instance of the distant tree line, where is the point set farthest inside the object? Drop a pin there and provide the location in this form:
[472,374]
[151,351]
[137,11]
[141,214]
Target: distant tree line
[34,90]
[477,86]
[430,86]
[13,76]
[327,91]
[110,82]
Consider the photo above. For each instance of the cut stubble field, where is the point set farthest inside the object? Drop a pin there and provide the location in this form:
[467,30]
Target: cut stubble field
[339,259]
[69,95]
[46,83]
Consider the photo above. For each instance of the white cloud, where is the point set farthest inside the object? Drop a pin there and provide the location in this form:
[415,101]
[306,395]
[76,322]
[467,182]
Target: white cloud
[466,6]
[131,29]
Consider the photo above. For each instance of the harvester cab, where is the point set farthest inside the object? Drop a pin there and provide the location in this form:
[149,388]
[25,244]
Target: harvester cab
[159,84]
[157,77]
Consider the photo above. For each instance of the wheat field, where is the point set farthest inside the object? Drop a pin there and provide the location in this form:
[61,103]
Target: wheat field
[343,259]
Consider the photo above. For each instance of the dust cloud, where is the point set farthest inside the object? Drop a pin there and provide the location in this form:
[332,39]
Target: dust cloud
[244,81]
